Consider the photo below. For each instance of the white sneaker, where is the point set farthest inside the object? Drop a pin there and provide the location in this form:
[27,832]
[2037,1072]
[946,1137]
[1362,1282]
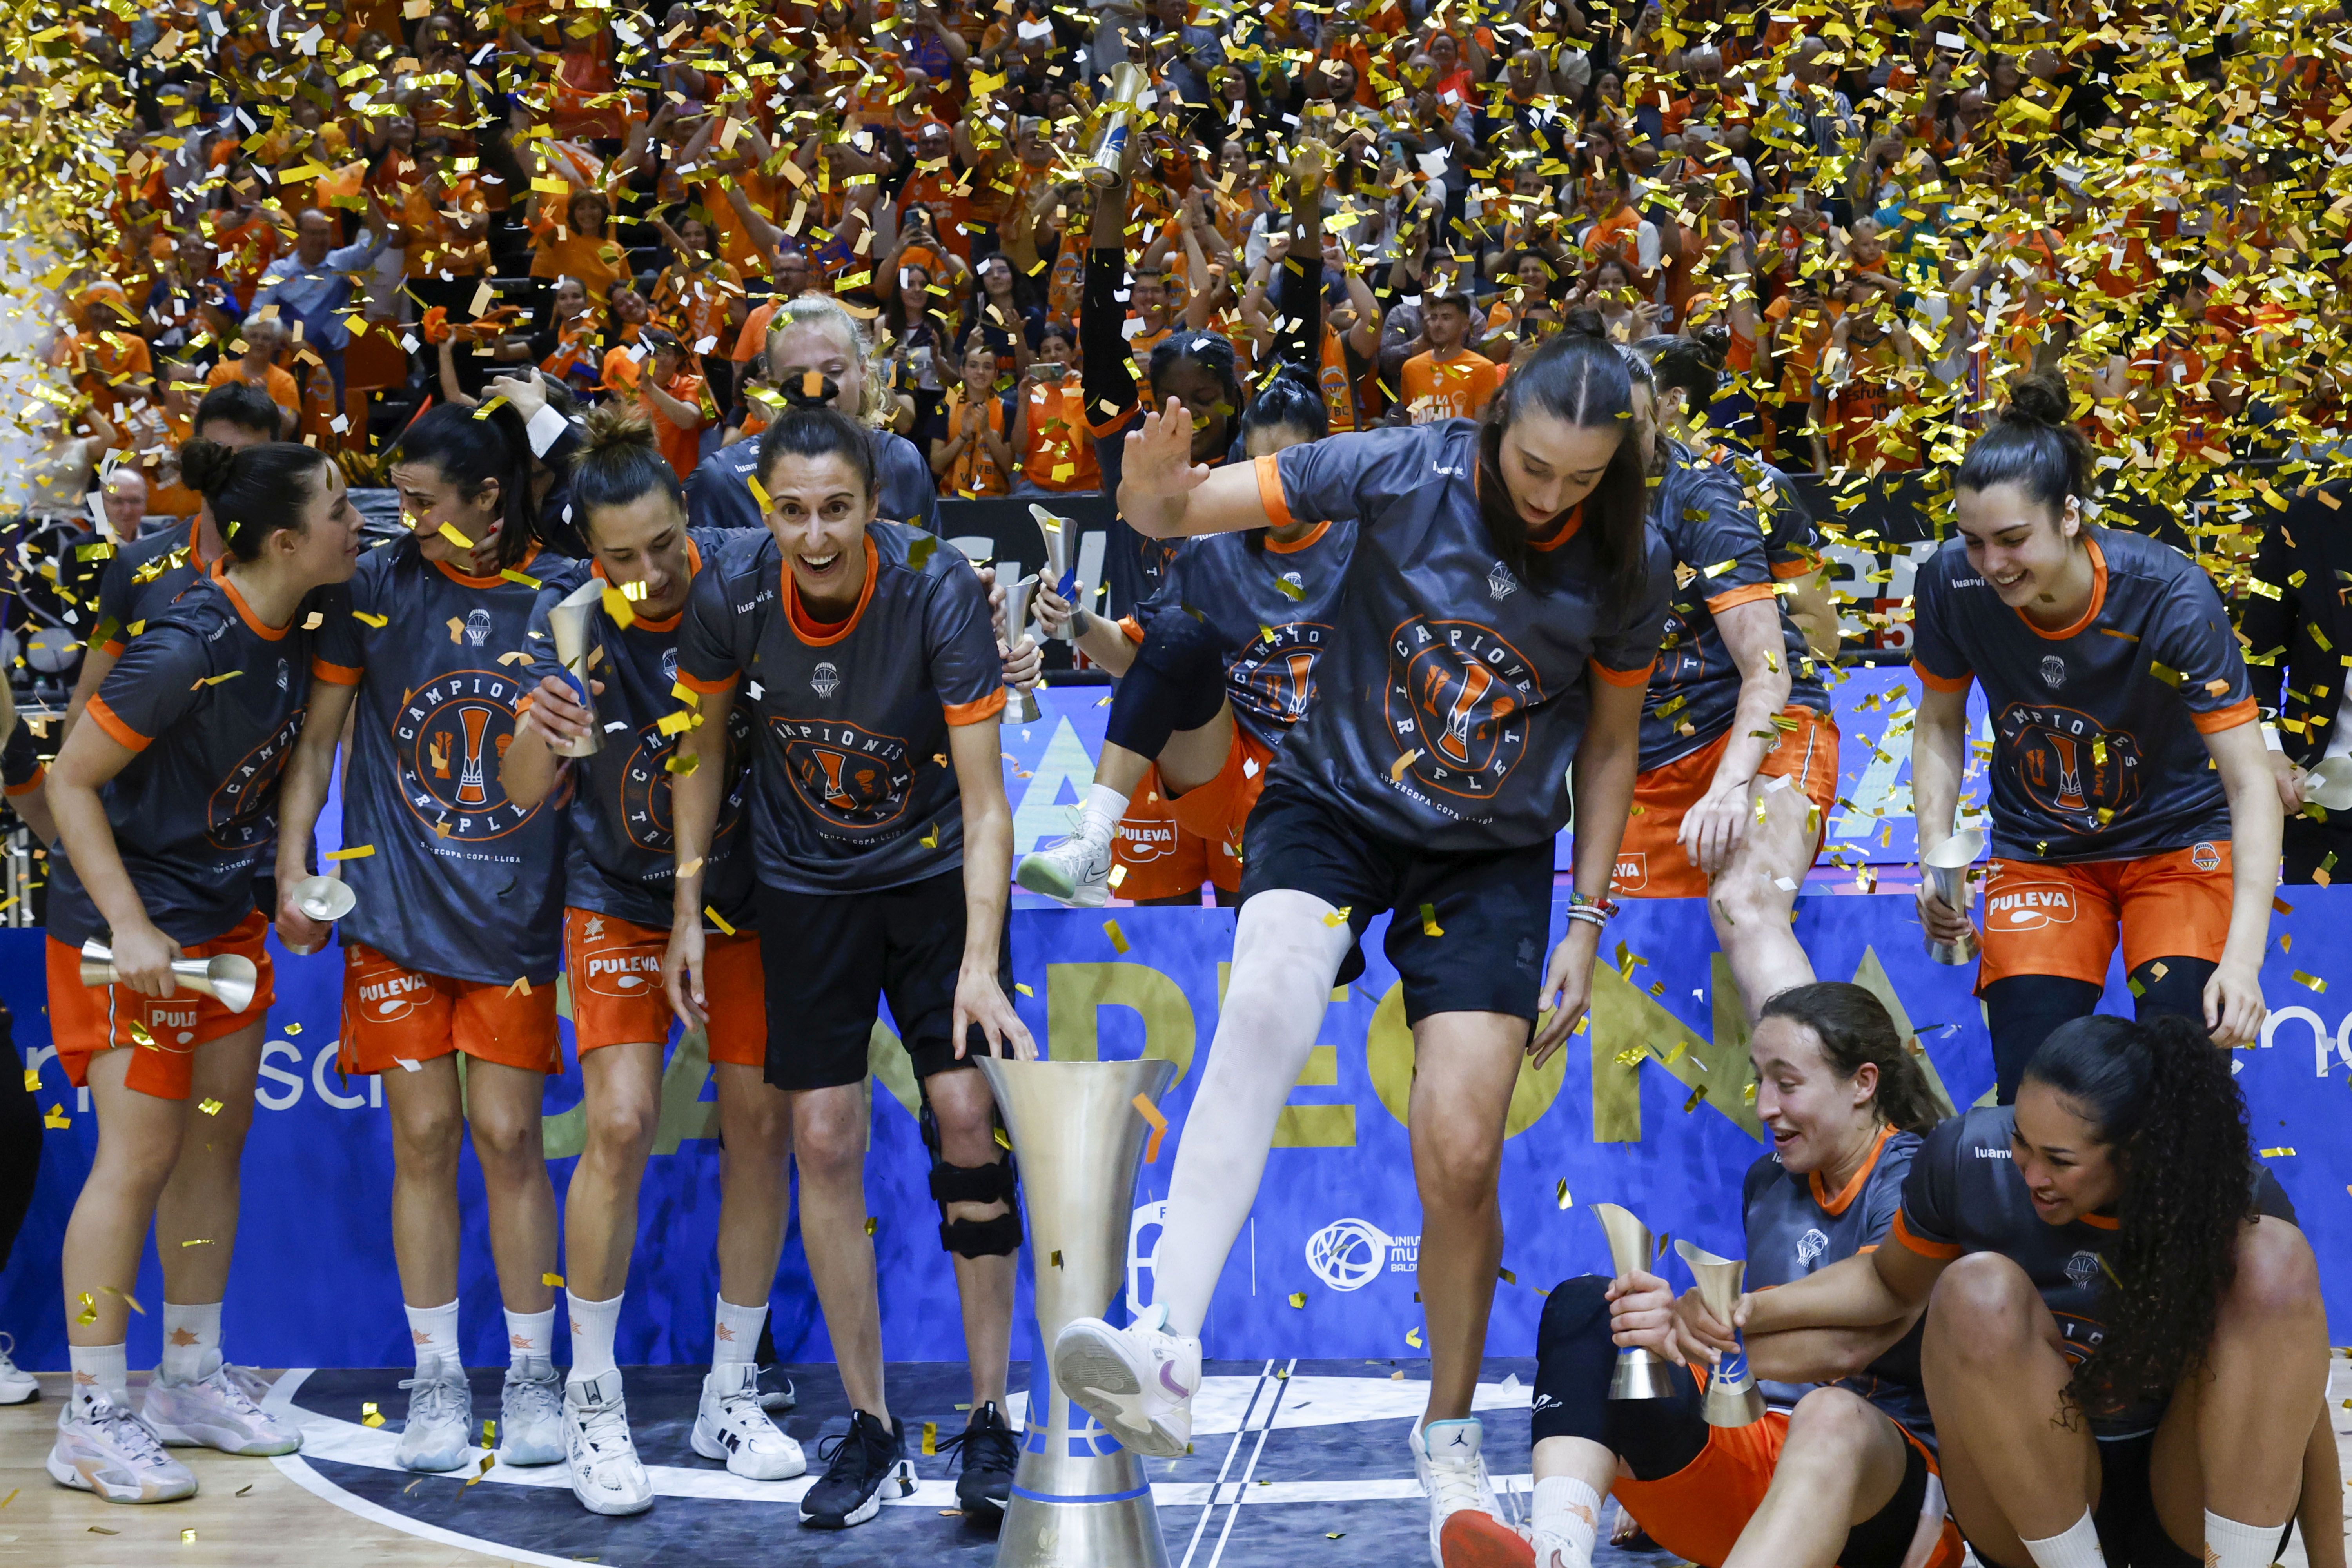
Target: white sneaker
[732,1424]
[255,1386]
[440,1426]
[102,1448]
[17,1386]
[605,1475]
[215,1412]
[531,1415]
[1445,1457]
[1138,1381]
[1070,870]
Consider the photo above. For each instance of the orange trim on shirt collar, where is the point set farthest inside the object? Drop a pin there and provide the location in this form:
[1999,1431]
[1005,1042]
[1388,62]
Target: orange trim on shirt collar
[253,623]
[816,634]
[496,579]
[1845,1195]
[2098,597]
[1567,531]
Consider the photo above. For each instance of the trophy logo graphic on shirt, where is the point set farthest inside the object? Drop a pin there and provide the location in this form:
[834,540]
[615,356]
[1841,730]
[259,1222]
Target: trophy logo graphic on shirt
[1457,699]
[846,777]
[1274,676]
[477,627]
[1455,742]
[476,723]
[2069,764]
[450,738]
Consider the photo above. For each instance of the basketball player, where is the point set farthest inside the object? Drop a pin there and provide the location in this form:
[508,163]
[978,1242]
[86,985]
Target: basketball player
[2131,791]
[617,869]
[882,849]
[2124,1347]
[452,948]
[1841,1468]
[1207,692]
[1738,746]
[165,803]
[1504,600]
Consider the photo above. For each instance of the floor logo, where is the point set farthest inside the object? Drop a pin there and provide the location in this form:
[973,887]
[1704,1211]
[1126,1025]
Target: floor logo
[1349,1254]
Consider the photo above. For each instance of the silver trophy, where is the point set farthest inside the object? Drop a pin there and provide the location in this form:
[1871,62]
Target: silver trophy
[325,899]
[569,621]
[1732,1398]
[1640,1374]
[228,979]
[2328,785]
[1947,870]
[1079,1498]
[1016,621]
[1060,533]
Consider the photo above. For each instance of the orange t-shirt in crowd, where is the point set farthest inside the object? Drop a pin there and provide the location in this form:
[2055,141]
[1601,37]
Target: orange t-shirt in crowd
[104,365]
[975,473]
[1060,455]
[1456,388]
[696,305]
[277,383]
[1861,412]
[681,444]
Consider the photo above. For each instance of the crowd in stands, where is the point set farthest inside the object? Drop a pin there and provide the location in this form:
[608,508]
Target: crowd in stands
[1875,214]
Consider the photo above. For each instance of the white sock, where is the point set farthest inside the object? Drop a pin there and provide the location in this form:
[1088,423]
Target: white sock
[191,1341]
[1286,951]
[593,1324]
[434,1331]
[1098,817]
[2229,1545]
[1570,1509]
[100,1371]
[2078,1548]
[737,1342]
[531,1337]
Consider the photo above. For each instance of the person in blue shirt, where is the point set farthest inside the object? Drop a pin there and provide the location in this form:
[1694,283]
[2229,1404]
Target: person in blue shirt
[314,285]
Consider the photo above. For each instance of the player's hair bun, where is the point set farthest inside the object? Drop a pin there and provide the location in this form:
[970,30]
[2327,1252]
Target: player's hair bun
[2040,399]
[809,390]
[615,427]
[1714,341]
[1584,323]
[205,465]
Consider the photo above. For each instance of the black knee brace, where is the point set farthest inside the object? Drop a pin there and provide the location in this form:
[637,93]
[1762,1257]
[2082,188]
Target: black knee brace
[989,1183]
[1574,1361]
[1177,682]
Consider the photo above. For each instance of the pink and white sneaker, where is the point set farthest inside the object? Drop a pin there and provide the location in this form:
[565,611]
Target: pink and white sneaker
[1138,1381]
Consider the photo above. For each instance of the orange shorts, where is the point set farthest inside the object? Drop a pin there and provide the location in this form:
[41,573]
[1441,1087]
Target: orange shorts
[1215,812]
[617,998]
[1161,857]
[1698,1511]
[2064,920]
[1650,861]
[393,1014]
[87,1019]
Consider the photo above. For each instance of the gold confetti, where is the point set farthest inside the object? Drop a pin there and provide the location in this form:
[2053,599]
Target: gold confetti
[357,852]
[552,1280]
[2277,1153]
[378,622]
[370,1415]
[1157,1121]
[32,1080]
[931,1439]
[1412,1336]
[715,918]
[1117,937]
[209,1106]
[1397,768]
[2313,980]
[1298,1298]
[871,1224]
[449,531]
[1560,1194]
[525,578]
[521,987]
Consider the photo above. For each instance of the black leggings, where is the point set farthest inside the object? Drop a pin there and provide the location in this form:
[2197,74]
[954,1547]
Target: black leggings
[2023,1009]
[1657,1439]
[20,1140]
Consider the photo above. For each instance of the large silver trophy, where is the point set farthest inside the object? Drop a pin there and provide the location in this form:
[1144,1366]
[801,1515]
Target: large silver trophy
[228,979]
[1640,1374]
[1079,1498]
[1732,1398]
[1947,870]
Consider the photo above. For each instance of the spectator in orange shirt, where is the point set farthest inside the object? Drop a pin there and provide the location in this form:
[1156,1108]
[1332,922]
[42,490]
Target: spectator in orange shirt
[1049,426]
[264,338]
[973,459]
[677,400]
[1446,381]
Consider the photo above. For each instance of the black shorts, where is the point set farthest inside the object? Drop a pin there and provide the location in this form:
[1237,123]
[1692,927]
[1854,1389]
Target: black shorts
[2130,1534]
[1492,907]
[831,959]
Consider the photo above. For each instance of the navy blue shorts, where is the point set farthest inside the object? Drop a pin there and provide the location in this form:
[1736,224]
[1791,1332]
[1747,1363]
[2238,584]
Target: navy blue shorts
[1492,908]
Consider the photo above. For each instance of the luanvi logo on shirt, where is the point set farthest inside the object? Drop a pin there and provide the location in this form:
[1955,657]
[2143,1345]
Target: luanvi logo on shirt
[450,738]
[1456,692]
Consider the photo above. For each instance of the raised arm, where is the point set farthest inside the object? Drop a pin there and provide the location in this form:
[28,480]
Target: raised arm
[1165,495]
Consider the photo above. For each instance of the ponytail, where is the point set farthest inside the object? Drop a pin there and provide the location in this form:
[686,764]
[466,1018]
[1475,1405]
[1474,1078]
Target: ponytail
[2166,1106]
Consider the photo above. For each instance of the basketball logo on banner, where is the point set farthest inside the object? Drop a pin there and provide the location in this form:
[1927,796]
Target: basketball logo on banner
[1349,1254]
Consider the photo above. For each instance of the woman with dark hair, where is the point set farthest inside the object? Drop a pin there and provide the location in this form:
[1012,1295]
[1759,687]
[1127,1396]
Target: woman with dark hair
[2123,1323]
[616,927]
[453,947]
[1005,314]
[166,805]
[1504,601]
[1839,1469]
[2131,792]
[881,851]
[1213,671]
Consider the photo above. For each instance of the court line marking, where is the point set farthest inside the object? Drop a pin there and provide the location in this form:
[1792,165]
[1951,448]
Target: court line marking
[1282,1387]
[1208,1505]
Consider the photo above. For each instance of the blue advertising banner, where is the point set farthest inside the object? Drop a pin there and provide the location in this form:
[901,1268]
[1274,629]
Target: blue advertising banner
[1646,1107]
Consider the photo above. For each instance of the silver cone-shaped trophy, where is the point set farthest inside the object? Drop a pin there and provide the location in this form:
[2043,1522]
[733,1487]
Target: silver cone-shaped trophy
[229,980]
[1079,1498]
[1017,599]
[1640,1374]
[1732,1398]
[575,649]
[1947,870]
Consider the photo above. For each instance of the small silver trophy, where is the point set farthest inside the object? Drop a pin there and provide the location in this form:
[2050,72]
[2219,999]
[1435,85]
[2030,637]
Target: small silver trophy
[1640,1374]
[569,621]
[1732,1398]
[1016,621]
[228,979]
[325,899]
[1057,533]
[1947,870]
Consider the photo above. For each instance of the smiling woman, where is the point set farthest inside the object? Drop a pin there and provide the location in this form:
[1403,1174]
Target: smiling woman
[1504,600]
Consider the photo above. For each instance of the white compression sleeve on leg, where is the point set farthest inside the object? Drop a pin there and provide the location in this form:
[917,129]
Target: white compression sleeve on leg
[1286,952]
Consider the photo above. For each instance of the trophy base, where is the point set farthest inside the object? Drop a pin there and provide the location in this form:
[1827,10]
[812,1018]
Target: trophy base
[1640,1375]
[1037,1534]
[587,745]
[1953,953]
[1732,1406]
